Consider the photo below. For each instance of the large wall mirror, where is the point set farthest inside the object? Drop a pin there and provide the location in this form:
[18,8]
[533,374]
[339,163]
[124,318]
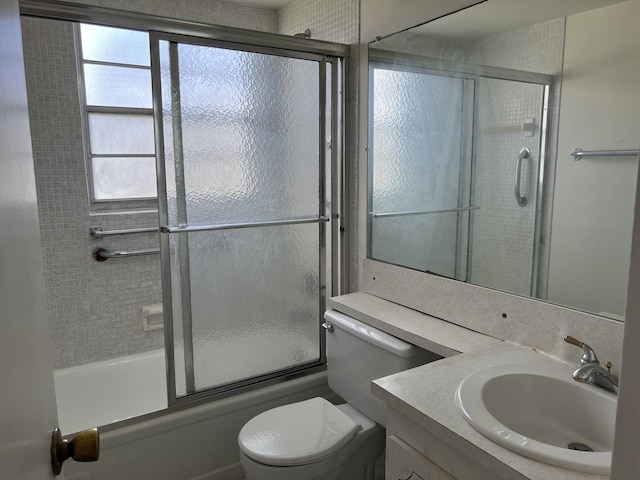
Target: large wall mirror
[503,148]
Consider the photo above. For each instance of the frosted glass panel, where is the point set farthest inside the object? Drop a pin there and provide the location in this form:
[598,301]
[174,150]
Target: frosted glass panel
[115,178]
[254,301]
[418,167]
[108,44]
[121,133]
[117,86]
[250,134]
[242,143]
[417,125]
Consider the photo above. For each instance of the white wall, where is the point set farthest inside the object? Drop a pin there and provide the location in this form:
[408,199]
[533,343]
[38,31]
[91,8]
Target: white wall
[626,463]
[594,197]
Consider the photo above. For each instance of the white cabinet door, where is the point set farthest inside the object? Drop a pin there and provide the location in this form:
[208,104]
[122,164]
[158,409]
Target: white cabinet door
[404,463]
[27,398]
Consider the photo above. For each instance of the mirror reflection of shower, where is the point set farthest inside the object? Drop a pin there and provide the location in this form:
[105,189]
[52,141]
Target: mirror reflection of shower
[543,79]
[442,153]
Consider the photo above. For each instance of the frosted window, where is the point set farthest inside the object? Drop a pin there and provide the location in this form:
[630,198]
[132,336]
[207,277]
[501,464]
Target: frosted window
[116,70]
[112,86]
[114,45]
[117,178]
[121,134]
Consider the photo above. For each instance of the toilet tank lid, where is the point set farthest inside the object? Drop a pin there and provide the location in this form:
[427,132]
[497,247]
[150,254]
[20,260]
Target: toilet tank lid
[297,433]
[372,335]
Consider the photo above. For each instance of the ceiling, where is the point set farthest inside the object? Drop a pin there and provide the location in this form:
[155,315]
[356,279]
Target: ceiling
[495,16]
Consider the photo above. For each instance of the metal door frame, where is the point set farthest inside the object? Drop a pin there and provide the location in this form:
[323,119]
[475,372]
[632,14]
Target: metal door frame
[329,269]
[436,66]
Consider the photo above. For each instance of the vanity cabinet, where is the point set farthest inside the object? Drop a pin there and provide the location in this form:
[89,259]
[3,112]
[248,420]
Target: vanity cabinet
[415,453]
[404,463]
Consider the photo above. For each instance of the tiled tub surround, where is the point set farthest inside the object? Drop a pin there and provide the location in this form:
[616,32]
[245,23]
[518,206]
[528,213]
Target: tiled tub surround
[94,306]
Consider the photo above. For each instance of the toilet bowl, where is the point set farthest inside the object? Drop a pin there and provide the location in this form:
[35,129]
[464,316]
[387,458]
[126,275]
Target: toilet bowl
[310,440]
[314,439]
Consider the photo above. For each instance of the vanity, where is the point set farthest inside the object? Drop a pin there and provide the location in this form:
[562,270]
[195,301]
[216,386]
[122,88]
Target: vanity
[427,435]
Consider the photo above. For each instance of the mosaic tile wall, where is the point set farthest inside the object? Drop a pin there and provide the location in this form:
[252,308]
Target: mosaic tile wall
[94,306]
[330,20]
[213,12]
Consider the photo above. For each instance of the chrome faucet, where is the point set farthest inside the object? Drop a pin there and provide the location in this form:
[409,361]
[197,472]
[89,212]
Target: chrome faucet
[590,370]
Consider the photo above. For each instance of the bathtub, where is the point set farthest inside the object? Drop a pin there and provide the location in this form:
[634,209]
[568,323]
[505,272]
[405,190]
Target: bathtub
[106,392]
[194,443]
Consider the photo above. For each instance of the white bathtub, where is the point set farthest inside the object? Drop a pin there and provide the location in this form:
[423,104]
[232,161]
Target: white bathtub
[102,393]
[195,443]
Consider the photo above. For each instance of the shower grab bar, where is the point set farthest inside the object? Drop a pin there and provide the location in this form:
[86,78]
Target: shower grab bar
[231,226]
[577,153]
[423,212]
[524,153]
[98,232]
[102,254]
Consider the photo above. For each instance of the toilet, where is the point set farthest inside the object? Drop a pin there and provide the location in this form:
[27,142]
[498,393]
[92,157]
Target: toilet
[315,439]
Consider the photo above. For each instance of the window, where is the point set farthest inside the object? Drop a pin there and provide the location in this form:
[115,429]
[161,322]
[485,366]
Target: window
[116,73]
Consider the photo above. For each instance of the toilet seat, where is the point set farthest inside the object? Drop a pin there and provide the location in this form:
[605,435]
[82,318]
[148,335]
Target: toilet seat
[297,434]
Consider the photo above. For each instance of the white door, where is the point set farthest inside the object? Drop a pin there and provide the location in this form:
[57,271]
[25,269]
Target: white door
[27,398]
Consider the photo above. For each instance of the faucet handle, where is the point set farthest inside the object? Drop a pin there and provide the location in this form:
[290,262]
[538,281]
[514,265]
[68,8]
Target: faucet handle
[588,355]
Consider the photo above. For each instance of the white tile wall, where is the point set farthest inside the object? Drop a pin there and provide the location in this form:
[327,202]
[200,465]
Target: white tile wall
[93,307]
[330,20]
[213,12]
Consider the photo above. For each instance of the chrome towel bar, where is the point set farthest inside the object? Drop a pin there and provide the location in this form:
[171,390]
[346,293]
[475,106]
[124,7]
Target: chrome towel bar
[423,212]
[102,254]
[232,226]
[577,153]
[98,232]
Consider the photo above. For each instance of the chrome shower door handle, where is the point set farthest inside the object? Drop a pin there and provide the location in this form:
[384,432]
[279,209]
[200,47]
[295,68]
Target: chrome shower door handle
[524,154]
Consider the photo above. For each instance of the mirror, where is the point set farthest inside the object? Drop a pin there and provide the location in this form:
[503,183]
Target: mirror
[472,121]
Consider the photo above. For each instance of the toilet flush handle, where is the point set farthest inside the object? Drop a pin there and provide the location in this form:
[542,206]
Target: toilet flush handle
[327,326]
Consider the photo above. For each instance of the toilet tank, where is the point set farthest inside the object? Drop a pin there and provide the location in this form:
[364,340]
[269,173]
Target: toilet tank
[358,353]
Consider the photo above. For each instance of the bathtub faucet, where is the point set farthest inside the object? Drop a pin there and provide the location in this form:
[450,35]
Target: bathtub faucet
[590,370]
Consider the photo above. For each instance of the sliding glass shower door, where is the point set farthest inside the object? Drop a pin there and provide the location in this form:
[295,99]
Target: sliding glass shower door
[245,140]
[457,171]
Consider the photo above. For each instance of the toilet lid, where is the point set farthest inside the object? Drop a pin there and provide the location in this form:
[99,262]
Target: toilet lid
[297,433]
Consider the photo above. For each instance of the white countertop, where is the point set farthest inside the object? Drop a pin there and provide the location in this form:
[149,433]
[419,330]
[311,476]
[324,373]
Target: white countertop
[425,394]
[433,334]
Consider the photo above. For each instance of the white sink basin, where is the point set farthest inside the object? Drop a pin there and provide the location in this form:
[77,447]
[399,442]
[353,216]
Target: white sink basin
[538,410]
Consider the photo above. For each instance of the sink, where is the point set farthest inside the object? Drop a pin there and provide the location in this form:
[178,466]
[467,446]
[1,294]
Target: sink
[539,411]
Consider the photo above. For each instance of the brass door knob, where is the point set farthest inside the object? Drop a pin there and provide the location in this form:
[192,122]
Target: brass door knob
[83,447]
